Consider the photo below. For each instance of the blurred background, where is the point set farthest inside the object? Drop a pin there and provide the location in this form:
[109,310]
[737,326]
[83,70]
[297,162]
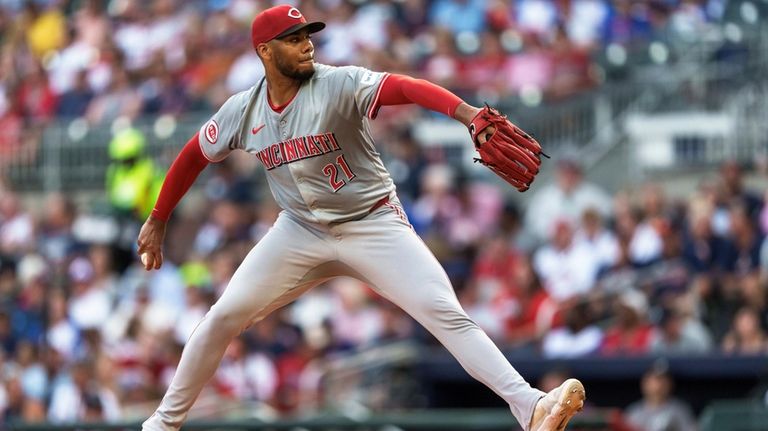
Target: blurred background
[637,261]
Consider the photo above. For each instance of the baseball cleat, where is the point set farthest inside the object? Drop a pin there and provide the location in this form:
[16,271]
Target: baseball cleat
[556,408]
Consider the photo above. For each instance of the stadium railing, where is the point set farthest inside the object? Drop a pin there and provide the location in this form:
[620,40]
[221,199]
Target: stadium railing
[70,155]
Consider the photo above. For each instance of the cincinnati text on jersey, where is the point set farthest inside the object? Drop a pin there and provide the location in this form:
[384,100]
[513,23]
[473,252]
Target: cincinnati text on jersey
[303,147]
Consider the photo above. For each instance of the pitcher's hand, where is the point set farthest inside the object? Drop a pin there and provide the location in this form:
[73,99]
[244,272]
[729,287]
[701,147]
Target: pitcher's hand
[150,243]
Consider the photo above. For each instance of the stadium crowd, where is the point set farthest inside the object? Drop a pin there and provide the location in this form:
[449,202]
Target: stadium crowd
[105,59]
[87,335]
[580,272]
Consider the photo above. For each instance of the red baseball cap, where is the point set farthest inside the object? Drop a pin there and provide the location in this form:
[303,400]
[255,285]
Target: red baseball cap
[280,21]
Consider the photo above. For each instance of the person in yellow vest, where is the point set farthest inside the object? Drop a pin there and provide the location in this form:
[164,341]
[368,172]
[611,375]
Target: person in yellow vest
[132,179]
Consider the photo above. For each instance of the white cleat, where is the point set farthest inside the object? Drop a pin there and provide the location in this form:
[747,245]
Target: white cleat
[556,408]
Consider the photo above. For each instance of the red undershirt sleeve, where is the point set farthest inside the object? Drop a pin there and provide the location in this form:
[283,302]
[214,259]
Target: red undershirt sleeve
[182,173]
[402,89]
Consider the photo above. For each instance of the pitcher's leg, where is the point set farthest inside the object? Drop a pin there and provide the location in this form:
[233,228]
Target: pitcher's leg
[273,274]
[420,286]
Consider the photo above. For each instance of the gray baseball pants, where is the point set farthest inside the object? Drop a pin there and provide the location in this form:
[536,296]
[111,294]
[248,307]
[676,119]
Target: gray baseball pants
[382,250]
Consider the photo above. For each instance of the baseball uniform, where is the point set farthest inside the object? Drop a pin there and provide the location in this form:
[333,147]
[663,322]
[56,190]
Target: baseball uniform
[341,216]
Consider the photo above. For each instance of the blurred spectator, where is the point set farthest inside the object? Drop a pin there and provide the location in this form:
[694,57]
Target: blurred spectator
[644,242]
[104,272]
[107,61]
[406,166]
[600,241]
[131,180]
[753,291]
[577,337]
[458,15]
[369,24]
[701,247]
[443,66]
[355,320]
[746,336]
[620,277]
[570,67]
[227,225]
[627,22]
[732,177]
[72,67]
[679,334]
[689,18]
[199,298]
[246,375]
[79,397]
[531,69]
[91,24]
[36,98]
[396,326]
[567,268]
[229,182]
[166,31]
[132,35]
[246,71]
[223,264]
[659,15]
[630,334]
[46,27]
[338,39]
[61,334]
[290,368]
[89,305]
[567,198]
[584,20]
[481,71]
[162,93]
[537,16]
[712,195]
[531,312]
[12,124]
[438,203]
[32,375]
[16,226]
[55,238]
[29,313]
[496,270]
[741,250]
[763,217]
[657,410]
[120,99]
[15,405]
[655,208]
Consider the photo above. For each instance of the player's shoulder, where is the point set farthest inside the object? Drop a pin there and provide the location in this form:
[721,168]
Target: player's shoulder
[238,102]
[324,71]
[242,97]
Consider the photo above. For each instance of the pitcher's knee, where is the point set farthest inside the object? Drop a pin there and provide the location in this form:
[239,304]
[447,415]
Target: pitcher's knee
[226,324]
[447,314]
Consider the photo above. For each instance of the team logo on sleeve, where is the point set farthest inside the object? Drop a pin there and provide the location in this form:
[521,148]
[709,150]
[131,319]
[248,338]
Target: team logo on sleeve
[211,131]
[368,78]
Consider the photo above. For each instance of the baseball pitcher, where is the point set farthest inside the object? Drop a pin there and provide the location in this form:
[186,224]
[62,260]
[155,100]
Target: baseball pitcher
[308,125]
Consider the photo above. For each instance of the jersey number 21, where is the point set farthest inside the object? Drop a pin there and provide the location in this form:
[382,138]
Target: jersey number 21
[332,172]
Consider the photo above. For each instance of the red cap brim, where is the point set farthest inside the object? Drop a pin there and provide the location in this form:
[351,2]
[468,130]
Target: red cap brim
[313,27]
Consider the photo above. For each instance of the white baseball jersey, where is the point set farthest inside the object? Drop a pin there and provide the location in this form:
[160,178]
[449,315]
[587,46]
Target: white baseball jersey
[323,170]
[319,155]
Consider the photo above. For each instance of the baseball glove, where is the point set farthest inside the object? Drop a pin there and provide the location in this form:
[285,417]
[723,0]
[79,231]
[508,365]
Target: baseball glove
[509,152]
